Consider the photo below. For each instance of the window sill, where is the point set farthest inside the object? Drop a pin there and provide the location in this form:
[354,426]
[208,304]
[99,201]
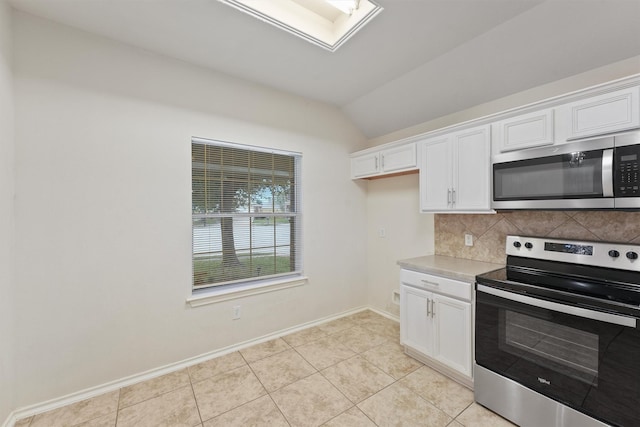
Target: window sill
[213,296]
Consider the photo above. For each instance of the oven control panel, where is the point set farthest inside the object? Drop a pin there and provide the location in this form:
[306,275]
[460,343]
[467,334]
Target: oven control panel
[603,254]
[569,248]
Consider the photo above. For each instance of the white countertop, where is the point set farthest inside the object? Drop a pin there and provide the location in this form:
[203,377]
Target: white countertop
[450,267]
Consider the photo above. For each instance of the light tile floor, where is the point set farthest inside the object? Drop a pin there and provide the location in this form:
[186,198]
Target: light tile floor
[347,372]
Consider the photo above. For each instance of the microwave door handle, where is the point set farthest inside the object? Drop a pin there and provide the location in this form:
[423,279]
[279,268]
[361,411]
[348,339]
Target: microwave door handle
[561,308]
[607,173]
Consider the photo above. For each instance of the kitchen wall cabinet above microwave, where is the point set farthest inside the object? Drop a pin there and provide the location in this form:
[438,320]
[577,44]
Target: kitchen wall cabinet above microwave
[610,112]
[455,172]
[385,160]
[524,131]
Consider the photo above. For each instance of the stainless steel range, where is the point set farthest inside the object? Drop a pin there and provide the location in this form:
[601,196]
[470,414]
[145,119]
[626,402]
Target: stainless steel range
[556,334]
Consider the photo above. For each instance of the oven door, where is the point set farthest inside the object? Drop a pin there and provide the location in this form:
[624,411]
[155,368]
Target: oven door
[571,176]
[587,360]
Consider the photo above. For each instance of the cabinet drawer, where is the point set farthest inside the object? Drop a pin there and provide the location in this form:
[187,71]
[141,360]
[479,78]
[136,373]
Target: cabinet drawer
[436,284]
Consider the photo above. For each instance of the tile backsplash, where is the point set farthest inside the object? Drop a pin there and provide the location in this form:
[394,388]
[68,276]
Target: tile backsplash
[489,231]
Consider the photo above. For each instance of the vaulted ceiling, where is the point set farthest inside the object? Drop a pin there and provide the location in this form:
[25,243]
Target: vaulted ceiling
[416,61]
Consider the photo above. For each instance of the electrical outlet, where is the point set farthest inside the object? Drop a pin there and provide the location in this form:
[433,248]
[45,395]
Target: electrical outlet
[382,233]
[468,239]
[236,312]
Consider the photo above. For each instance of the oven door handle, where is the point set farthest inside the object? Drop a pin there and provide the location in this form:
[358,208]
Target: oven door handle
[561,308]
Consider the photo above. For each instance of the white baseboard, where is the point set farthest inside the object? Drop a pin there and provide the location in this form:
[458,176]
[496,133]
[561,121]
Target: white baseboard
[88,393]
[382,313]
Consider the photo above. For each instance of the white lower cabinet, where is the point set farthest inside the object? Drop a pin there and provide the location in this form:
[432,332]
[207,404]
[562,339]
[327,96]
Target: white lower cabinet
[435,327]
[452,333]
[416,324]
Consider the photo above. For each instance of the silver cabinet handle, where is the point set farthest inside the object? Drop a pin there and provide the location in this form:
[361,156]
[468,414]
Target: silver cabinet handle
[453,196]
[433,308]
[448,196]
[428,311]
[376,162]
[382,157]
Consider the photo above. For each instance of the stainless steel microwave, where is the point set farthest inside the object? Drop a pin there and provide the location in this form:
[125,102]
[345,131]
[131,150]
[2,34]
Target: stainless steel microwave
[598,173]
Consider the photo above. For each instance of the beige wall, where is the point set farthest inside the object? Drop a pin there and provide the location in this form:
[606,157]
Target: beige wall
[392,205]
[489,231]
[103,211]
[6,215]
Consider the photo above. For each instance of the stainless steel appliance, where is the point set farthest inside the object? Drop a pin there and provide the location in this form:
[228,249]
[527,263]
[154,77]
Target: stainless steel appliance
[598,173]
[557,341]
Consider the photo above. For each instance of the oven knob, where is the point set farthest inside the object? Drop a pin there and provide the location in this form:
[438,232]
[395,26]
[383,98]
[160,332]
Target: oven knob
[614,254]
[632,255]
[528,245]
[517,244]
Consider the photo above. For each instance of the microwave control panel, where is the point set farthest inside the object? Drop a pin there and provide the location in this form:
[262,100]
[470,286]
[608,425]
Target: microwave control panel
[626,180]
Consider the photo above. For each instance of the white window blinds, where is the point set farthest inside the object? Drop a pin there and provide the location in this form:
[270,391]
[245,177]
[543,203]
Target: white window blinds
[246,218]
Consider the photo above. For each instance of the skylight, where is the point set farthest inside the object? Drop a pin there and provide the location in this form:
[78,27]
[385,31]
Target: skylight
[326,23]
[345,6]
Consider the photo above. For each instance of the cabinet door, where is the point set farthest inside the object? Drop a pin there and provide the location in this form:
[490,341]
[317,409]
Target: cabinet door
[525,131]
[435,175]
[365,165]
[398,158]
[472,170]
[452,333]
[606,113]
[416,328]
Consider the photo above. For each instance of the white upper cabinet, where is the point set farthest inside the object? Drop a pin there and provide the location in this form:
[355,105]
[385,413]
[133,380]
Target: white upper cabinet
[613,111]
[435,174]
[610,112]
[472,170]
[524,131]
[455,172]
[384,161]
[365,165]
[397,159]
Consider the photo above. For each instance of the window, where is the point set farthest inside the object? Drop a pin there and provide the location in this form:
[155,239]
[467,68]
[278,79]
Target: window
[246,220]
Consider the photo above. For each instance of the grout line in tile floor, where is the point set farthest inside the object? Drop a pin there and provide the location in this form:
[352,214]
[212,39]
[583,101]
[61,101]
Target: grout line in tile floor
[254,373]
[193,393]
[347,372]
[117,412]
